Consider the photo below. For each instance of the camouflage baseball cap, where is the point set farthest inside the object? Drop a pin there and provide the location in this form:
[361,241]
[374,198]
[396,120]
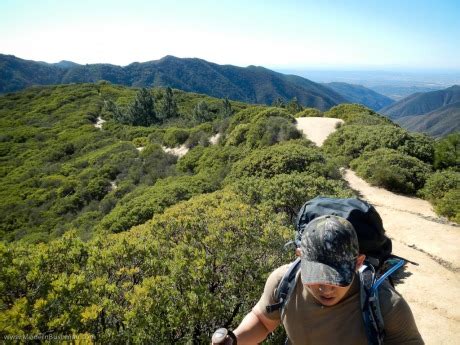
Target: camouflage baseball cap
[329,250]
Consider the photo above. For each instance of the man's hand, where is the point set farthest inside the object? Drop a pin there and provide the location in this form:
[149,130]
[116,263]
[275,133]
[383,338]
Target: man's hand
[223,336]
[254,328]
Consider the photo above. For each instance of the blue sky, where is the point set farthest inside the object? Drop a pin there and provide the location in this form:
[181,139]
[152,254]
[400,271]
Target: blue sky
[385,34]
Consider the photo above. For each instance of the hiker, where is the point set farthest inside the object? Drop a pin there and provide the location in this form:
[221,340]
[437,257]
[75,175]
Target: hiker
[325,306]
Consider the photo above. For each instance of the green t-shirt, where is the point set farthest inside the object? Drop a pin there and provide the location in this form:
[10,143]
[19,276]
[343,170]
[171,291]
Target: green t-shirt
[306,321]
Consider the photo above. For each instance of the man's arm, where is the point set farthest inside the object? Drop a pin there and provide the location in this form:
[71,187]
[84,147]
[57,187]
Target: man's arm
[256,325]
[400,327]
[254,328]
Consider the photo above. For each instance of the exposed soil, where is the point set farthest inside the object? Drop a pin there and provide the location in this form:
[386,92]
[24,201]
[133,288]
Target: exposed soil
[432,288]
[317,129]
[99,122]
[177,151]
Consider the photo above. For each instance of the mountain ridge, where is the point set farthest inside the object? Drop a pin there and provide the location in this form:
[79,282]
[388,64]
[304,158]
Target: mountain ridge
[436,113]
[253,84]
[437,123]
[422,103]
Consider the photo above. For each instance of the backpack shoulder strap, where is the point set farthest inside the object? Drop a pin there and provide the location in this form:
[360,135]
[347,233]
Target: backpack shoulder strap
[370,305]
[285,287]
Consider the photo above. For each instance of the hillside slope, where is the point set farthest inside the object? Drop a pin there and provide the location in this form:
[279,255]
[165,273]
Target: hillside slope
[437,123]
[362,95]
[436,113]
[422,103]
[250,84]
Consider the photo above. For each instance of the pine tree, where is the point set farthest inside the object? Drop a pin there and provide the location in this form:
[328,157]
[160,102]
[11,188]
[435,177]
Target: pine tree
[142,110]
[226,110]
[119,114]
[201,112]
[294,106]
[168,106]
[279,102]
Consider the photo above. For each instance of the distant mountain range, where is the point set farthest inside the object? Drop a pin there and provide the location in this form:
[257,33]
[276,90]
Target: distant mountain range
[251,84]
[360,94]
[436,113]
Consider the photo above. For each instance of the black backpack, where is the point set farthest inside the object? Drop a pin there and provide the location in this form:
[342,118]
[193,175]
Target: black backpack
[373,242]
[367,222]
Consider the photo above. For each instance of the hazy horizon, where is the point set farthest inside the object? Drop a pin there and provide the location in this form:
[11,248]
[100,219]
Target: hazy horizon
[282,68]
[337,35]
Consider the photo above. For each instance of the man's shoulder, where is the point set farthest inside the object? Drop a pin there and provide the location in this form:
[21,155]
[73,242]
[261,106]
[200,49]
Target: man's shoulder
[277,274]
[281,270]
[389,298]
[400,327]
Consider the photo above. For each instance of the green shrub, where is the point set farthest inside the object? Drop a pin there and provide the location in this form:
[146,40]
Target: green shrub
[365,119]
[392,170]
[288,192]
[156,137]
[199,265]
[442,189]
[140,141]
[141,205]
[255,113]
[351,141]
[238,135]
[175,137]
[212,163]
[343,111]
[420,146]
[357,114]
[282,158]
[245,116]
[439,183]
[156,164]
[190,161]
[273,112]
[197,137]
[271,130]
[449,205]
[447,152]
[309,112]
[217,158]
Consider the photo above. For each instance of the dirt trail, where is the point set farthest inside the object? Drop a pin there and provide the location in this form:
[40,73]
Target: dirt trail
[432,288]
[317,129]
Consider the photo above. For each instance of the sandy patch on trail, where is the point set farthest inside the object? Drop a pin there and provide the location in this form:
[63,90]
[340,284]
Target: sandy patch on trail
[214,139]
[317,129]
[99,122]
[177,151]
[182,150]
[432,289]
